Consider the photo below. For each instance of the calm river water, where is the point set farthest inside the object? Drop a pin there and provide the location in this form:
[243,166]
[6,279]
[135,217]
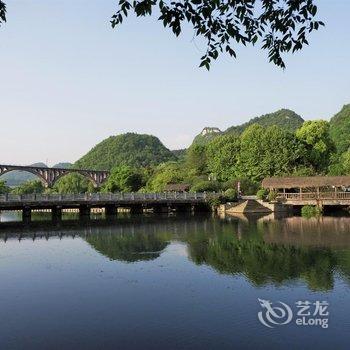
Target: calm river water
[178,282]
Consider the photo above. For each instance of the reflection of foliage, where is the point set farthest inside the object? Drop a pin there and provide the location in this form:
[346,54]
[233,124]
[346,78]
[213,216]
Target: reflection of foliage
[265,252]
[309,211]
[344,262]
[129,247]
[262,262]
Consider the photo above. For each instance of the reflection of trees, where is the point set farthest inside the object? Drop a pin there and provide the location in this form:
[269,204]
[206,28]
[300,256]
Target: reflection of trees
[129,247]
[276,251]
[344,262]
[262,262]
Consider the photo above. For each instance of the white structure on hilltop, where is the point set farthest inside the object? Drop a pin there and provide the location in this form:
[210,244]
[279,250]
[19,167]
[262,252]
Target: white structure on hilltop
[210,130]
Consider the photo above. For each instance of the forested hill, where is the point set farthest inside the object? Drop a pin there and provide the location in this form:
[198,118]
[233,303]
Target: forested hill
[340,129]
[130,149]
[284,118]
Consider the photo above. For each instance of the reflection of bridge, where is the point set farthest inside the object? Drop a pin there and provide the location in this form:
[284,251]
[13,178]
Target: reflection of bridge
[136,202]
[48,176]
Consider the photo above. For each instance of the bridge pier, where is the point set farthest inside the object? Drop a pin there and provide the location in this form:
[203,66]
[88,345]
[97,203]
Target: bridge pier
[201,208]
[183,208]
[26,215]
[136,209]
[84,212]
[319,205]
[111,210]
[160,209]
[56,214]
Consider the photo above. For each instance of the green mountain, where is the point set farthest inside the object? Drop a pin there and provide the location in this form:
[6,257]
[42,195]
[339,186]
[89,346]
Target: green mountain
[340,129]
[63,165]
[131,149]
[284,118]
[179,153]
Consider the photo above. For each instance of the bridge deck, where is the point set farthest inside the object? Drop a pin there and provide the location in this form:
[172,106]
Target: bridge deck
[11,201]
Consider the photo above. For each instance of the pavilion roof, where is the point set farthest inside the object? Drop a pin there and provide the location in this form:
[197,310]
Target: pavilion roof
[305,181]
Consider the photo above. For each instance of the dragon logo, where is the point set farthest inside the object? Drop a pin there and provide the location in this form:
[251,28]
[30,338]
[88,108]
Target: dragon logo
[274,315]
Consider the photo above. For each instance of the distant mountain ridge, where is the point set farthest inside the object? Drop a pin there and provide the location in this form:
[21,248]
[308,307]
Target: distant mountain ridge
[284,118]
[63,165]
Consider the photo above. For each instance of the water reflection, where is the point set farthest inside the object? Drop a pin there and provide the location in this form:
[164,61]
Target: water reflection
[263,263]
[264,250]
[129,247]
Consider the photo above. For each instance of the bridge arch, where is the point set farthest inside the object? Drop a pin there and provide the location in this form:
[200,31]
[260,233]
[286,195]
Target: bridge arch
[80,173]
[49,176]
[39,176]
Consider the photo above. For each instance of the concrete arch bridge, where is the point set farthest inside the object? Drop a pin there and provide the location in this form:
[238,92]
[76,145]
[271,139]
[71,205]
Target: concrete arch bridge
[48,176]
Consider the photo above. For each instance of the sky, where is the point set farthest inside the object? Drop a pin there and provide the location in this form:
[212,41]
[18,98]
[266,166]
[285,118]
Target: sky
[68,80]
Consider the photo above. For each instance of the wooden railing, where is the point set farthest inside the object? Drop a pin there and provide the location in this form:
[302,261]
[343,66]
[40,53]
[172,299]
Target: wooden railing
[314,196]
[105,197]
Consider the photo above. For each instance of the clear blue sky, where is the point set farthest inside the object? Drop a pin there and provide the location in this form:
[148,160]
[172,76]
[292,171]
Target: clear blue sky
[68,80]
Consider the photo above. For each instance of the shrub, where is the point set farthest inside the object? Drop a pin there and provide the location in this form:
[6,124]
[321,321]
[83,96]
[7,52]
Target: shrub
[272,196]
[215,202]
[262,193]
[229,184]
[3,188]
[206,186]
[249,187]
[230,195]
[29,187]
[309,211]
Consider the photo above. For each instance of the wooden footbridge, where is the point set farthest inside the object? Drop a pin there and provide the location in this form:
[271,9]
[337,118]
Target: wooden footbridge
[136,202]
[312,190]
